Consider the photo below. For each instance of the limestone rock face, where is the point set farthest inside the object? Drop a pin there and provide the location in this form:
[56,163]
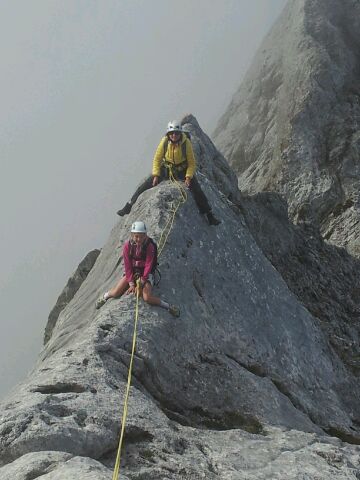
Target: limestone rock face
[294,124]
[244,385]
[70,289]
[325,278]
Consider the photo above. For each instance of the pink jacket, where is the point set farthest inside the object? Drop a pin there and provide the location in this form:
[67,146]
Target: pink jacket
[137,264]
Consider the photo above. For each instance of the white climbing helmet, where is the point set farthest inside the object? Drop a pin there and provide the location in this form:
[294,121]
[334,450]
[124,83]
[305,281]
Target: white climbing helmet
[174,126]
[138,227]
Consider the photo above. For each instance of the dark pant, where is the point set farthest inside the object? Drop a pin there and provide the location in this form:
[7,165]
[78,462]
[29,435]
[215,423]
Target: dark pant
[195,188]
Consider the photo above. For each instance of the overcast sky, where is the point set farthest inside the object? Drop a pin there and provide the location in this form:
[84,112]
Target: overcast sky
[87,88]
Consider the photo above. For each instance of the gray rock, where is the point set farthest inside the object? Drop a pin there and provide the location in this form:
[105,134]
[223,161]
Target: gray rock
[245,384]
[293,126]
[324,278]
[69,291]
[210,162]
[197,454]
[54,466]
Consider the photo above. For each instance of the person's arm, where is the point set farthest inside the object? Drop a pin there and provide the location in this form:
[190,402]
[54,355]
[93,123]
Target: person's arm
[128,264]
[150,254]
[159,154]
[190,157]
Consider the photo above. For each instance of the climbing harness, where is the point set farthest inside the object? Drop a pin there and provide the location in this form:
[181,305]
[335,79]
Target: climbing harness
[178,168]
[161,244]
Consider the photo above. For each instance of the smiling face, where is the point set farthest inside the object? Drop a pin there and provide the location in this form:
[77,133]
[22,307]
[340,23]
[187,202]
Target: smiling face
[174,136]
[139,238]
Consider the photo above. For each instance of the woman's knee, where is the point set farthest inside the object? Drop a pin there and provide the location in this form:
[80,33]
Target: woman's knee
[146,293]
[120,287]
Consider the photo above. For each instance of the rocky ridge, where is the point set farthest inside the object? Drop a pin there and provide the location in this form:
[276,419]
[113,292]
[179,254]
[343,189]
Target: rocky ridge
[246,384]
[293,127]
[72,286]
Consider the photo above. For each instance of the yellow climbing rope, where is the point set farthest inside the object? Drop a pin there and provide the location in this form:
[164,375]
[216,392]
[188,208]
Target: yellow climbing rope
[123,421]
[162,241]
[169,224]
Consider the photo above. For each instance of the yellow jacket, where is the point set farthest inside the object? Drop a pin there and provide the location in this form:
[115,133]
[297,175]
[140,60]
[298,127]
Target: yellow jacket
[173,155]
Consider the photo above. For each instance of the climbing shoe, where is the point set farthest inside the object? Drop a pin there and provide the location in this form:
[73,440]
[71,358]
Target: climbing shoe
[211,219]
[125,210]
[174,310]
[100,302]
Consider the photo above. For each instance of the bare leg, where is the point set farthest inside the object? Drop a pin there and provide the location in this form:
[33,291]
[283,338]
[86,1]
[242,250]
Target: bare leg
[119,289]
[122,286]
[148,298]
[115,292]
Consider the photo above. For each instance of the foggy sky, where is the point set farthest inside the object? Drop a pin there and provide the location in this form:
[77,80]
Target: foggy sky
[87,88]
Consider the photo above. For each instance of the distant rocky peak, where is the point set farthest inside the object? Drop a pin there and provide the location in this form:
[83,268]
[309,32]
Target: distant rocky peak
[294,124]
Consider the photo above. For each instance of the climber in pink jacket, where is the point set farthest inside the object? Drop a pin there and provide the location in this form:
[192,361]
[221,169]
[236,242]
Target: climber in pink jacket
[140,260]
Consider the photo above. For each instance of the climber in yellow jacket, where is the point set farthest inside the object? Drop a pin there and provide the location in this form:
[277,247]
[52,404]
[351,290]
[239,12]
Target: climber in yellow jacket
[175,149]
[175,152]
